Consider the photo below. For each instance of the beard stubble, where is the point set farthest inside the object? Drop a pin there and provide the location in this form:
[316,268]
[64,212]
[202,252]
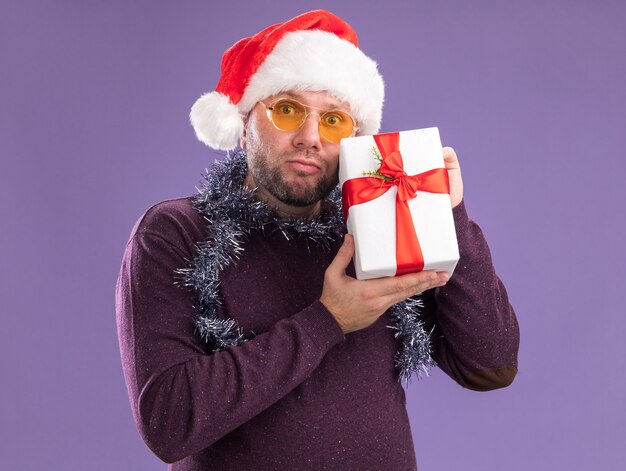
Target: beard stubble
[270,177]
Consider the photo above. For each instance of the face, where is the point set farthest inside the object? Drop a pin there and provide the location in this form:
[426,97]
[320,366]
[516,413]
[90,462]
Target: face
[296,168]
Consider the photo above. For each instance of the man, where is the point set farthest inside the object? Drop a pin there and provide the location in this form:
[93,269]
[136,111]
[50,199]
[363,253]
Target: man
[246,341]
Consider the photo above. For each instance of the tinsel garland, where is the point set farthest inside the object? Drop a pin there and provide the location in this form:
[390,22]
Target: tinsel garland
[232,212]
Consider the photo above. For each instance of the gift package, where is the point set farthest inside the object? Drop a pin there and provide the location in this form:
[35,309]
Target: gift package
[396,201]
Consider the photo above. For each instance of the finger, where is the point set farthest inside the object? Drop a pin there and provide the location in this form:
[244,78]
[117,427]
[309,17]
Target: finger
[343,257]
[453,167]
[450,158]
[439,279]
[433,281]
[404,283]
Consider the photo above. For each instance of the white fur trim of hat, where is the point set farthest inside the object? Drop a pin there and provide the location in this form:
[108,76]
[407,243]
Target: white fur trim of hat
[301,60]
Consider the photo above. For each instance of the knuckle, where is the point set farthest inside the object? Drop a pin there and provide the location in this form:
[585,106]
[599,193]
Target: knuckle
[429,277]
[378,305]
[368,296]
[403,284]
[411,292]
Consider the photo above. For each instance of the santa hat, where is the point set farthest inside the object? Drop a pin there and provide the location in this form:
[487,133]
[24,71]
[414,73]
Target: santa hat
[315,51]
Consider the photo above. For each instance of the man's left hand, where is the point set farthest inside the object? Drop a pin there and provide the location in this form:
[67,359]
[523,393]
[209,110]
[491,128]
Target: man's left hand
[454,175]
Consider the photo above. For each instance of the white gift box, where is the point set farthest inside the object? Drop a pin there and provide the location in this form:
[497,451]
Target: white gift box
[373,223]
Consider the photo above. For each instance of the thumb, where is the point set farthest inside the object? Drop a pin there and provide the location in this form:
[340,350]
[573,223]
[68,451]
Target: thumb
[454,175]
[450,159]
[343,257]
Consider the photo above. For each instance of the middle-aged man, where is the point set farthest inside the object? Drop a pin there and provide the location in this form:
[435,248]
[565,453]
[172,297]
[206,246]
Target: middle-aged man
[246,341]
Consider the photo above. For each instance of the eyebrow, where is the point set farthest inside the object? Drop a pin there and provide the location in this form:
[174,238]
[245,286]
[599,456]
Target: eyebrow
[329,106]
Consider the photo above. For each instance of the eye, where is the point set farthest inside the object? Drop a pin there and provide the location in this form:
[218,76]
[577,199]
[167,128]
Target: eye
[333,119]
[286,108]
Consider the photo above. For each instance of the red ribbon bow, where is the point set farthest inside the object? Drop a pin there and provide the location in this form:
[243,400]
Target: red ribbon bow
[409,257]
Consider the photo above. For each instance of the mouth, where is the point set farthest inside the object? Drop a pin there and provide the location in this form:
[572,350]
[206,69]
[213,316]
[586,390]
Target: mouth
[306,166]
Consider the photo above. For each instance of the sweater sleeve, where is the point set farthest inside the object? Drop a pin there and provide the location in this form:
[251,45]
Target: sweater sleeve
[475,332]
[184,399]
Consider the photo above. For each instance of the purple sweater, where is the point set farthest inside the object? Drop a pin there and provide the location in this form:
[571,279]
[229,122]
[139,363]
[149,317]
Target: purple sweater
[300,394]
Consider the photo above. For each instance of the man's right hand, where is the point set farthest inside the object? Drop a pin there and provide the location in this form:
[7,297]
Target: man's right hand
[356,304]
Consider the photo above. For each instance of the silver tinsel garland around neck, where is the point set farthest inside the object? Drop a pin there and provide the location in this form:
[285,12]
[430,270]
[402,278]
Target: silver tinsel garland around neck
[232,212]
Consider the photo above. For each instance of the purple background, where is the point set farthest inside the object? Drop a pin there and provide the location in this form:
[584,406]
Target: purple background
[94,98]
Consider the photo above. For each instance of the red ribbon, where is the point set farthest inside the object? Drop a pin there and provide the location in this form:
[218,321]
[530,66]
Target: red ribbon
[409,257]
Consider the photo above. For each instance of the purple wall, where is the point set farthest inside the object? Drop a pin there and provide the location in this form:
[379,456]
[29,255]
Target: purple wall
[94,99]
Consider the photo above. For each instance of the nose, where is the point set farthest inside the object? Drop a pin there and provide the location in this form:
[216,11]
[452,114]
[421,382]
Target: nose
[308,135]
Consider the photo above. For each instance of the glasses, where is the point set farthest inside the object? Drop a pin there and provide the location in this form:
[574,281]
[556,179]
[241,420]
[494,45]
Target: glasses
[287,114]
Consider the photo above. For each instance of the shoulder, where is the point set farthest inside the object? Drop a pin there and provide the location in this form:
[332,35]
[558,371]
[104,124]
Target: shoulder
[169,214]
[174,221]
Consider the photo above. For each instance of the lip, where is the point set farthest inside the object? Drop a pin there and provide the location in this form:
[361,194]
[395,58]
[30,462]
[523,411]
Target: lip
[304,165]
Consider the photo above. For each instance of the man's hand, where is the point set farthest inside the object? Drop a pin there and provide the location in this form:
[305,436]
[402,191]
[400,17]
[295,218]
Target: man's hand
[356,304]
[454,175]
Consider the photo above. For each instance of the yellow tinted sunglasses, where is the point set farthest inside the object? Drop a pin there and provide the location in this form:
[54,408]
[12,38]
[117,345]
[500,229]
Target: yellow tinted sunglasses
[287,114]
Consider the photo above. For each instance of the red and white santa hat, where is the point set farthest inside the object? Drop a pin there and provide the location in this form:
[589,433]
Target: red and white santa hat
[315,51]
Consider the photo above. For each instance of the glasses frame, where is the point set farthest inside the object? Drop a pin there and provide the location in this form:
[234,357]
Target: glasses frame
[269,108]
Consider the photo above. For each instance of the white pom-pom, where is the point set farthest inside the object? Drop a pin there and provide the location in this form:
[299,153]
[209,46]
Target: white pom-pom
[216,121]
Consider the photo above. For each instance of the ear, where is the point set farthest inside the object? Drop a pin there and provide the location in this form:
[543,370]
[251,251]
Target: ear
[246,122]
[242,139]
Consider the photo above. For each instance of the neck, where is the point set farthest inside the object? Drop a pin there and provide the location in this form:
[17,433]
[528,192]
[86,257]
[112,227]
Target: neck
[281,209]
